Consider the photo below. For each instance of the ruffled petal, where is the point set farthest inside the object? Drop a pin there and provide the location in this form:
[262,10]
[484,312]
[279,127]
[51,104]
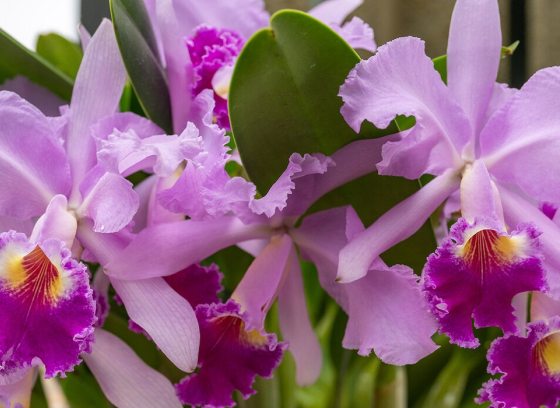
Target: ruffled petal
[197,284]
[33,165]
[473,56]
[164,249]
[128,143]
[476,272]
[110,201]
[528,369]
[232,354]
[394,226]
[96,94]
[296,327]
[48,310]
[125,379]
[165,315]
[517,211]
[400,80]
[387,312]
[520,143]
[358,34]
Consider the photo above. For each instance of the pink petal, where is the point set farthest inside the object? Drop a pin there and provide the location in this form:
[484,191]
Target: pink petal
[400,80]
[387,312]
[296,327]
[165,249]
[258,289]
[479,194]
[334,11]
[520,144]
[57,222]
[96,94]
[394,226]
[33,165]
[111,203]
[165,315]
[358,34]
[473,56]
[125,379]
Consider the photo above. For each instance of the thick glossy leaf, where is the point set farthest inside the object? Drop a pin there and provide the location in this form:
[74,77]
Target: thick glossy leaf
[62,53]
[284,99]
[139,51]
[15,59]
[284,95]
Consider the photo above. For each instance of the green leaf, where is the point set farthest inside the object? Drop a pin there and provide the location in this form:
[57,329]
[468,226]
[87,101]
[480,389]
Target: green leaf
[62,53]
[449,387]
[139,51]
[284,95]
[284,99]
[15,59]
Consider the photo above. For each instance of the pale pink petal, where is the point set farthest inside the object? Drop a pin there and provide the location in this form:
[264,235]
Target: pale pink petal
[96,94]
[401,80]
[479,195]
[165,249]
[258,289]
[520,143]
[334,11]
[296,327]
[57,222]
[110,203]
[41,97]
[544,307]
[473,56]
[165,315]
[125,379]
[358,34]
[394,226]
[33,165]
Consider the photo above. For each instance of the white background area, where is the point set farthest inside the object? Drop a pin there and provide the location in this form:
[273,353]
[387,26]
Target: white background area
[26,19]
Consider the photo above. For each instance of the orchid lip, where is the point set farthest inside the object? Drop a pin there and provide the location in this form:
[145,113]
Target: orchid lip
[546,353]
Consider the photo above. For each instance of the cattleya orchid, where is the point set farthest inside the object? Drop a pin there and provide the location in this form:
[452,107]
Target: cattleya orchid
[198,44]
[223,211]
[50,171]
[481,140]
[486,154]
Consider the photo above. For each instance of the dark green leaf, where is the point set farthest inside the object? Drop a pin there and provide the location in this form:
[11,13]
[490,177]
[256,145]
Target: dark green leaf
[139,51]
[284,99]
[15,59]
[81,389]
[284,95]
[62,53]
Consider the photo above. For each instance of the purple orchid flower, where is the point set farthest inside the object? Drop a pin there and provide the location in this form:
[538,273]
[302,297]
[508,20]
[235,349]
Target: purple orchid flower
[494,145]
[199,43]
[223,211]
[50,171]
[528,366]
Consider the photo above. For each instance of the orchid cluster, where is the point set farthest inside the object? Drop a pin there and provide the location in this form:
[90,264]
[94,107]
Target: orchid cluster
[109,214]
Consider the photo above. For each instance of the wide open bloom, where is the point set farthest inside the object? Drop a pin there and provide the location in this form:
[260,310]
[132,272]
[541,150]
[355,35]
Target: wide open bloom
[223,211]
[527,365]
[199,42]
[49,170]
[494,147]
